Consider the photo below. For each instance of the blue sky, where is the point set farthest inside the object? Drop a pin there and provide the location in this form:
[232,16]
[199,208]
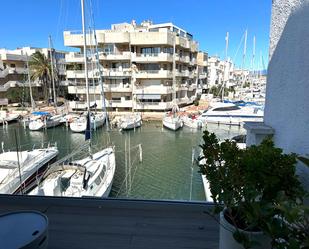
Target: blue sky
[208,20]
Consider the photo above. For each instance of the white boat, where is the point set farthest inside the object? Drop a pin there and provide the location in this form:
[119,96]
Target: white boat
[131,121]
[231,114]
[172,122]
[80,124]
[45,122]
[6,117]
[18,170]
[192,122]
[91,176]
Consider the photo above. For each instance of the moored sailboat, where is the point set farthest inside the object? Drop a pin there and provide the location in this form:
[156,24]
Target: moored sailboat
[18,170]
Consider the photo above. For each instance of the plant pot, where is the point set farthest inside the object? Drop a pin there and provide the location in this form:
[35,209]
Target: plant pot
[227,240]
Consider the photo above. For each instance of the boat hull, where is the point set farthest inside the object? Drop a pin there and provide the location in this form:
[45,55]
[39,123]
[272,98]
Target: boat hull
[29,170]
[172,124]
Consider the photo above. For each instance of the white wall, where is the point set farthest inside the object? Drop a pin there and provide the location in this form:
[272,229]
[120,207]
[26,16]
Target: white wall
[287,94]
[281,10]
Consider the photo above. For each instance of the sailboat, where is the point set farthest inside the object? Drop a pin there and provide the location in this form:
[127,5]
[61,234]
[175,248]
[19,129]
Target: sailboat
[172,120]
[44,122]
[91,176]
[130,121]
[96,120]
[18,169]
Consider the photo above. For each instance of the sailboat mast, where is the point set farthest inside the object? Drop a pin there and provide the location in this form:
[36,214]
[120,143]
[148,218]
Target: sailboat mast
[226,44]
[225,63]
[52,70]
[85,54]
[244,56]
[29,82]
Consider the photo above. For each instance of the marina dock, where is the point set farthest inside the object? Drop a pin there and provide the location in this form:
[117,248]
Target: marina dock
[83,223]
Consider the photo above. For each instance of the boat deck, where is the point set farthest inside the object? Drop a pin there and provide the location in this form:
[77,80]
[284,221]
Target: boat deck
[115,223]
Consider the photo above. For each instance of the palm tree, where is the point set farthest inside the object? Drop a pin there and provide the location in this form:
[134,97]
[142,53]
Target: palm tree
[41,69]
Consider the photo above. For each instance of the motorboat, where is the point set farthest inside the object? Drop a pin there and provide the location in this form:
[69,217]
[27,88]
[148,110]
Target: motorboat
[18,170]
[130,121]
[90,176]
[80,124]
[231,114]
[45,122]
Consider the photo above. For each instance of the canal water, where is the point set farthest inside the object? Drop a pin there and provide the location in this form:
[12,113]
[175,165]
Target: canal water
[166,170]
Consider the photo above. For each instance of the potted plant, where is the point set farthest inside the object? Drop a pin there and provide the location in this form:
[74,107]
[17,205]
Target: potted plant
[249,188]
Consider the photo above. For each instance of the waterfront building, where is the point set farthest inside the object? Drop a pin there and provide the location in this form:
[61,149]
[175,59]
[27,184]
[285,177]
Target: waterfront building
[14,72]
[137,65]
[214,72]
[202,70]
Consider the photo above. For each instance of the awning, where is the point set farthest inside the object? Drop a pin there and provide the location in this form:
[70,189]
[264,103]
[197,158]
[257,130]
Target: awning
[148,96]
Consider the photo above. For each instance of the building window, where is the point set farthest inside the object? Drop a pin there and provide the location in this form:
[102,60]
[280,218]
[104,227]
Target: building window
[109,48]
[13,65]
[150,50]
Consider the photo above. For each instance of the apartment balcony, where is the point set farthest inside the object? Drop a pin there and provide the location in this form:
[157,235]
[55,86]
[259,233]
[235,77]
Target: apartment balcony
[74,57]
[184,59]
[152,58]
[97,89]
[151,38]
[161,89]
[121,223]
[154,106]
[115,72]
[12,70]
[112,36]
[80,74]
[13,57]
[76,39]
[154,74]
[115,56]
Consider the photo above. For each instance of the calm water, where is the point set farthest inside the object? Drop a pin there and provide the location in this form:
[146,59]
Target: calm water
[165,172]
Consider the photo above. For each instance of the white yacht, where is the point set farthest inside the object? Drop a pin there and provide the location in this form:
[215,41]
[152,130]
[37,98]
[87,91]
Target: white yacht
[130,121]
[231,114]
[18,170]
[80,124]
[45,122]
[91,176]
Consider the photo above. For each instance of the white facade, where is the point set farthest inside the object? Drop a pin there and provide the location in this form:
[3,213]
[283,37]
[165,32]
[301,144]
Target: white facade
[220,72]
[287,106]
[137,65]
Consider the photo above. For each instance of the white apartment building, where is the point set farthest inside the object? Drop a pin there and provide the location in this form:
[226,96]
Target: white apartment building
[13,67]
[220,72]
[137,65]
[202,69]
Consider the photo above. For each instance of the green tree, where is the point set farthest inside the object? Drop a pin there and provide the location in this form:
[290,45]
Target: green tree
[41,69]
